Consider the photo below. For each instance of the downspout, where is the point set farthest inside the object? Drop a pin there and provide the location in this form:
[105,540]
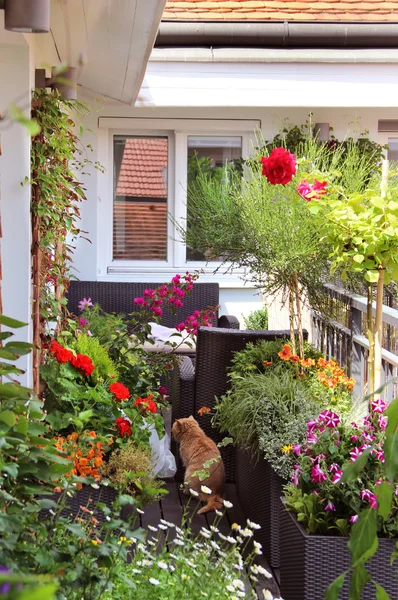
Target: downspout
[277,35]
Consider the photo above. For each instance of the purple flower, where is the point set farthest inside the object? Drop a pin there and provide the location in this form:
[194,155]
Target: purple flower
[337,476]
[378,405]
[354,518]
[382,422]
[330,506]
[5,587]
[317,475]
[334,468]
[354,438]
[85,304]
[139,301]
[296,449]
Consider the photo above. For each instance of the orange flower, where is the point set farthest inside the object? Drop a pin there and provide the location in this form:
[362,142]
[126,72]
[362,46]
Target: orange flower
[92,434]
[286,353]
[98,461]
[322,363]
[294,358]
[307,362]
[203,410]
[268,363]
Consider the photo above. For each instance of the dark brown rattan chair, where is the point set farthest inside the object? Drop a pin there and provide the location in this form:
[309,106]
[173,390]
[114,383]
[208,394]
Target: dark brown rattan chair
[198,386]
[118,297]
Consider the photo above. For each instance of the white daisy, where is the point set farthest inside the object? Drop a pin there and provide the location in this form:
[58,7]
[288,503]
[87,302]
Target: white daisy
[152,528]
[205,489]
[193,492]
[219,513]
[238,583]
[267,595]
[205,534]
[179,542]
[231,540]
[140,511]
[264,572]
[153,581]
[253,525]
[247,532]
[230,588]
[163,527]
[162,565]
[227,504]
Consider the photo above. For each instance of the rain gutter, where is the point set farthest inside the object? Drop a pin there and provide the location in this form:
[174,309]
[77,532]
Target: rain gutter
[287,35]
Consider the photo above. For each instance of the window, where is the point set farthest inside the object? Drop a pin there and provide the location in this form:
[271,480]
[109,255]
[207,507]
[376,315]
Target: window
[209,154]
[150,164]
[140,198]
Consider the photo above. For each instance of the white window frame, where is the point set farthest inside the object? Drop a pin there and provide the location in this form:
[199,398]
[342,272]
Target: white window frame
[177,132]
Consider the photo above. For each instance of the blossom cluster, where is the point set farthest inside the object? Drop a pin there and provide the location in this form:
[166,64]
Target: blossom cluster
[146,404]
[84,451]
[167,295]
[79,361]
[197,319]
[329,446]
[311,191]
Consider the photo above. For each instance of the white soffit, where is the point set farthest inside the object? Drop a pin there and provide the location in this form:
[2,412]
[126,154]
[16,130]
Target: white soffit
[253,84]
[115,37]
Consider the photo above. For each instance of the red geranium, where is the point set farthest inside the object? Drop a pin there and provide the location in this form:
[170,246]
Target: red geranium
[83,363]
[147,404]
[279,167]
[120,391]
[61,354]
[124,426]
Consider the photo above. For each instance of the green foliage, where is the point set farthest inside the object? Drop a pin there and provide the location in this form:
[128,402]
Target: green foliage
[105,369]
[103,326]
[257,319]
[130,470]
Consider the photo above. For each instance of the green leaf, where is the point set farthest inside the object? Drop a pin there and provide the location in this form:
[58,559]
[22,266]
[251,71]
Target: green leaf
[333,591]
[13,323]
[352,470]
[17,115]
[381,593]
[364,541]
[359,578]
[8,417]
[372,276]
[225,442]
[384,494]
[391,455]
[358,258]
[42,592]
[7,355]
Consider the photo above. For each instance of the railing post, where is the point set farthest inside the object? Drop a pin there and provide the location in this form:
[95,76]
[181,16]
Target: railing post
[357,363]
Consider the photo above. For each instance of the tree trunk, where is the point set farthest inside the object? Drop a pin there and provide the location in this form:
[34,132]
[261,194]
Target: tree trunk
[291,319]
[299,316]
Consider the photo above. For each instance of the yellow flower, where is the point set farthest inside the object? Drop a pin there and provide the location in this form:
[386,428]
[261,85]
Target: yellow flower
[94,542]
[287,449]
[235,527]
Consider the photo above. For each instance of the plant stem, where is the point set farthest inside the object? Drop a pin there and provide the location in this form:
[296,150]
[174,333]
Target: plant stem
[36,267]
[299,316]
[371,357]
[378,330]
[291,319]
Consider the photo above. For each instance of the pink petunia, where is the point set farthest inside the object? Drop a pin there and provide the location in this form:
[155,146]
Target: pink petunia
[296,449]
[337,476]
[330,506]
[317,475]
[354,519]
[354,454]
[382,422]
[378,405]
[334,468]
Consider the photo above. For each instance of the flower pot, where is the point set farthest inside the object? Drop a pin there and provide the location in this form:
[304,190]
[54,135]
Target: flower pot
[259,490]
[309,563]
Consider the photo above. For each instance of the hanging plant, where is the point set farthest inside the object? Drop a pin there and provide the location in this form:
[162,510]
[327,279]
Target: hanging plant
[56,156]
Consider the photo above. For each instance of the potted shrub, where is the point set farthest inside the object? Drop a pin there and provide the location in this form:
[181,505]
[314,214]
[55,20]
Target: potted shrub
[323,503]
[272,396]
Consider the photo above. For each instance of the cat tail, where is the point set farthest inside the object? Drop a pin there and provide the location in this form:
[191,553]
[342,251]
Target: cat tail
[213,503]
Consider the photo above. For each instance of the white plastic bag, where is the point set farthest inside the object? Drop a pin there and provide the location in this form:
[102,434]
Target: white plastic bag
[163,461]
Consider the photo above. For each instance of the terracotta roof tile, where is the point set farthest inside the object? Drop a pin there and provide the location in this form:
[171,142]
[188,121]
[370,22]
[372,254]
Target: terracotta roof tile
[142,168]
[272,10]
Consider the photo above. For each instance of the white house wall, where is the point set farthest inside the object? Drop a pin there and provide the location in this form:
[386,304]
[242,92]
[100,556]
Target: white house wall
[235,299]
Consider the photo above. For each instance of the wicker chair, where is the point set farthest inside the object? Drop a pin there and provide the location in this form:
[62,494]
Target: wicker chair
[198,385]
[118,297]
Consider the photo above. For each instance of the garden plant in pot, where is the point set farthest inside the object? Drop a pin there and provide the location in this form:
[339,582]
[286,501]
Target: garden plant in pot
[273,393]
[339,472]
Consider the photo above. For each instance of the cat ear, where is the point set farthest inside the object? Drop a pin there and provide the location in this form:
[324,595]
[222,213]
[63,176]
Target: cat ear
[192,418]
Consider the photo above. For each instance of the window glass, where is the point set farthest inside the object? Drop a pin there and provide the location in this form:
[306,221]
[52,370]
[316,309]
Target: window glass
[209,154]
[140,198]
[393,149]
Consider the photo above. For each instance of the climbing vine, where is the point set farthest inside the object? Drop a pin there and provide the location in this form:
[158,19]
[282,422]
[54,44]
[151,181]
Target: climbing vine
[56,157]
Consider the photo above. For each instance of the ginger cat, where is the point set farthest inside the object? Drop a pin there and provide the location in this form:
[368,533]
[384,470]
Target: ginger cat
[195,450]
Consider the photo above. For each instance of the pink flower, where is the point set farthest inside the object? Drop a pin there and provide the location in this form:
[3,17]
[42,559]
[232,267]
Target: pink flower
[378,405]
[317,475]
[329,418]
[139,301]
[380,455]
[337,476]
[334,468]
[330,506]
[296,449]
[312,424]
[354,454]
[304,189]
[382,422]
[312,191]
[149,293]
[84,304]
[180,327]
[354,519]
[354,438]
[368,495]
[296,475]
[396,490]
[82,322]
[89,333]
[176,279]
[368,437]
[163,391]
[279,167]
[312,439]
[157,311]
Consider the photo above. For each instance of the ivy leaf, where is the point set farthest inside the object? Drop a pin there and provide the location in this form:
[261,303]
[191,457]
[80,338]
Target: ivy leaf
[352,470]
[333,591]
[364,541]
[359,578]
[384,494]
[381,593]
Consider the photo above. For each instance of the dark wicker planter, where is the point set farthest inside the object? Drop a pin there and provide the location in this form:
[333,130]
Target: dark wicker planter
[259,490]
[309,563]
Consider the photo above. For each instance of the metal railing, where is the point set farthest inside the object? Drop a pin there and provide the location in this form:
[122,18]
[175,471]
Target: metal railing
[341,335]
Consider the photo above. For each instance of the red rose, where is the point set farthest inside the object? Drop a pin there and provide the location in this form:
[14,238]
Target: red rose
[83,363]
[279,167]
[124,426]
[61,354]
[120,391]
